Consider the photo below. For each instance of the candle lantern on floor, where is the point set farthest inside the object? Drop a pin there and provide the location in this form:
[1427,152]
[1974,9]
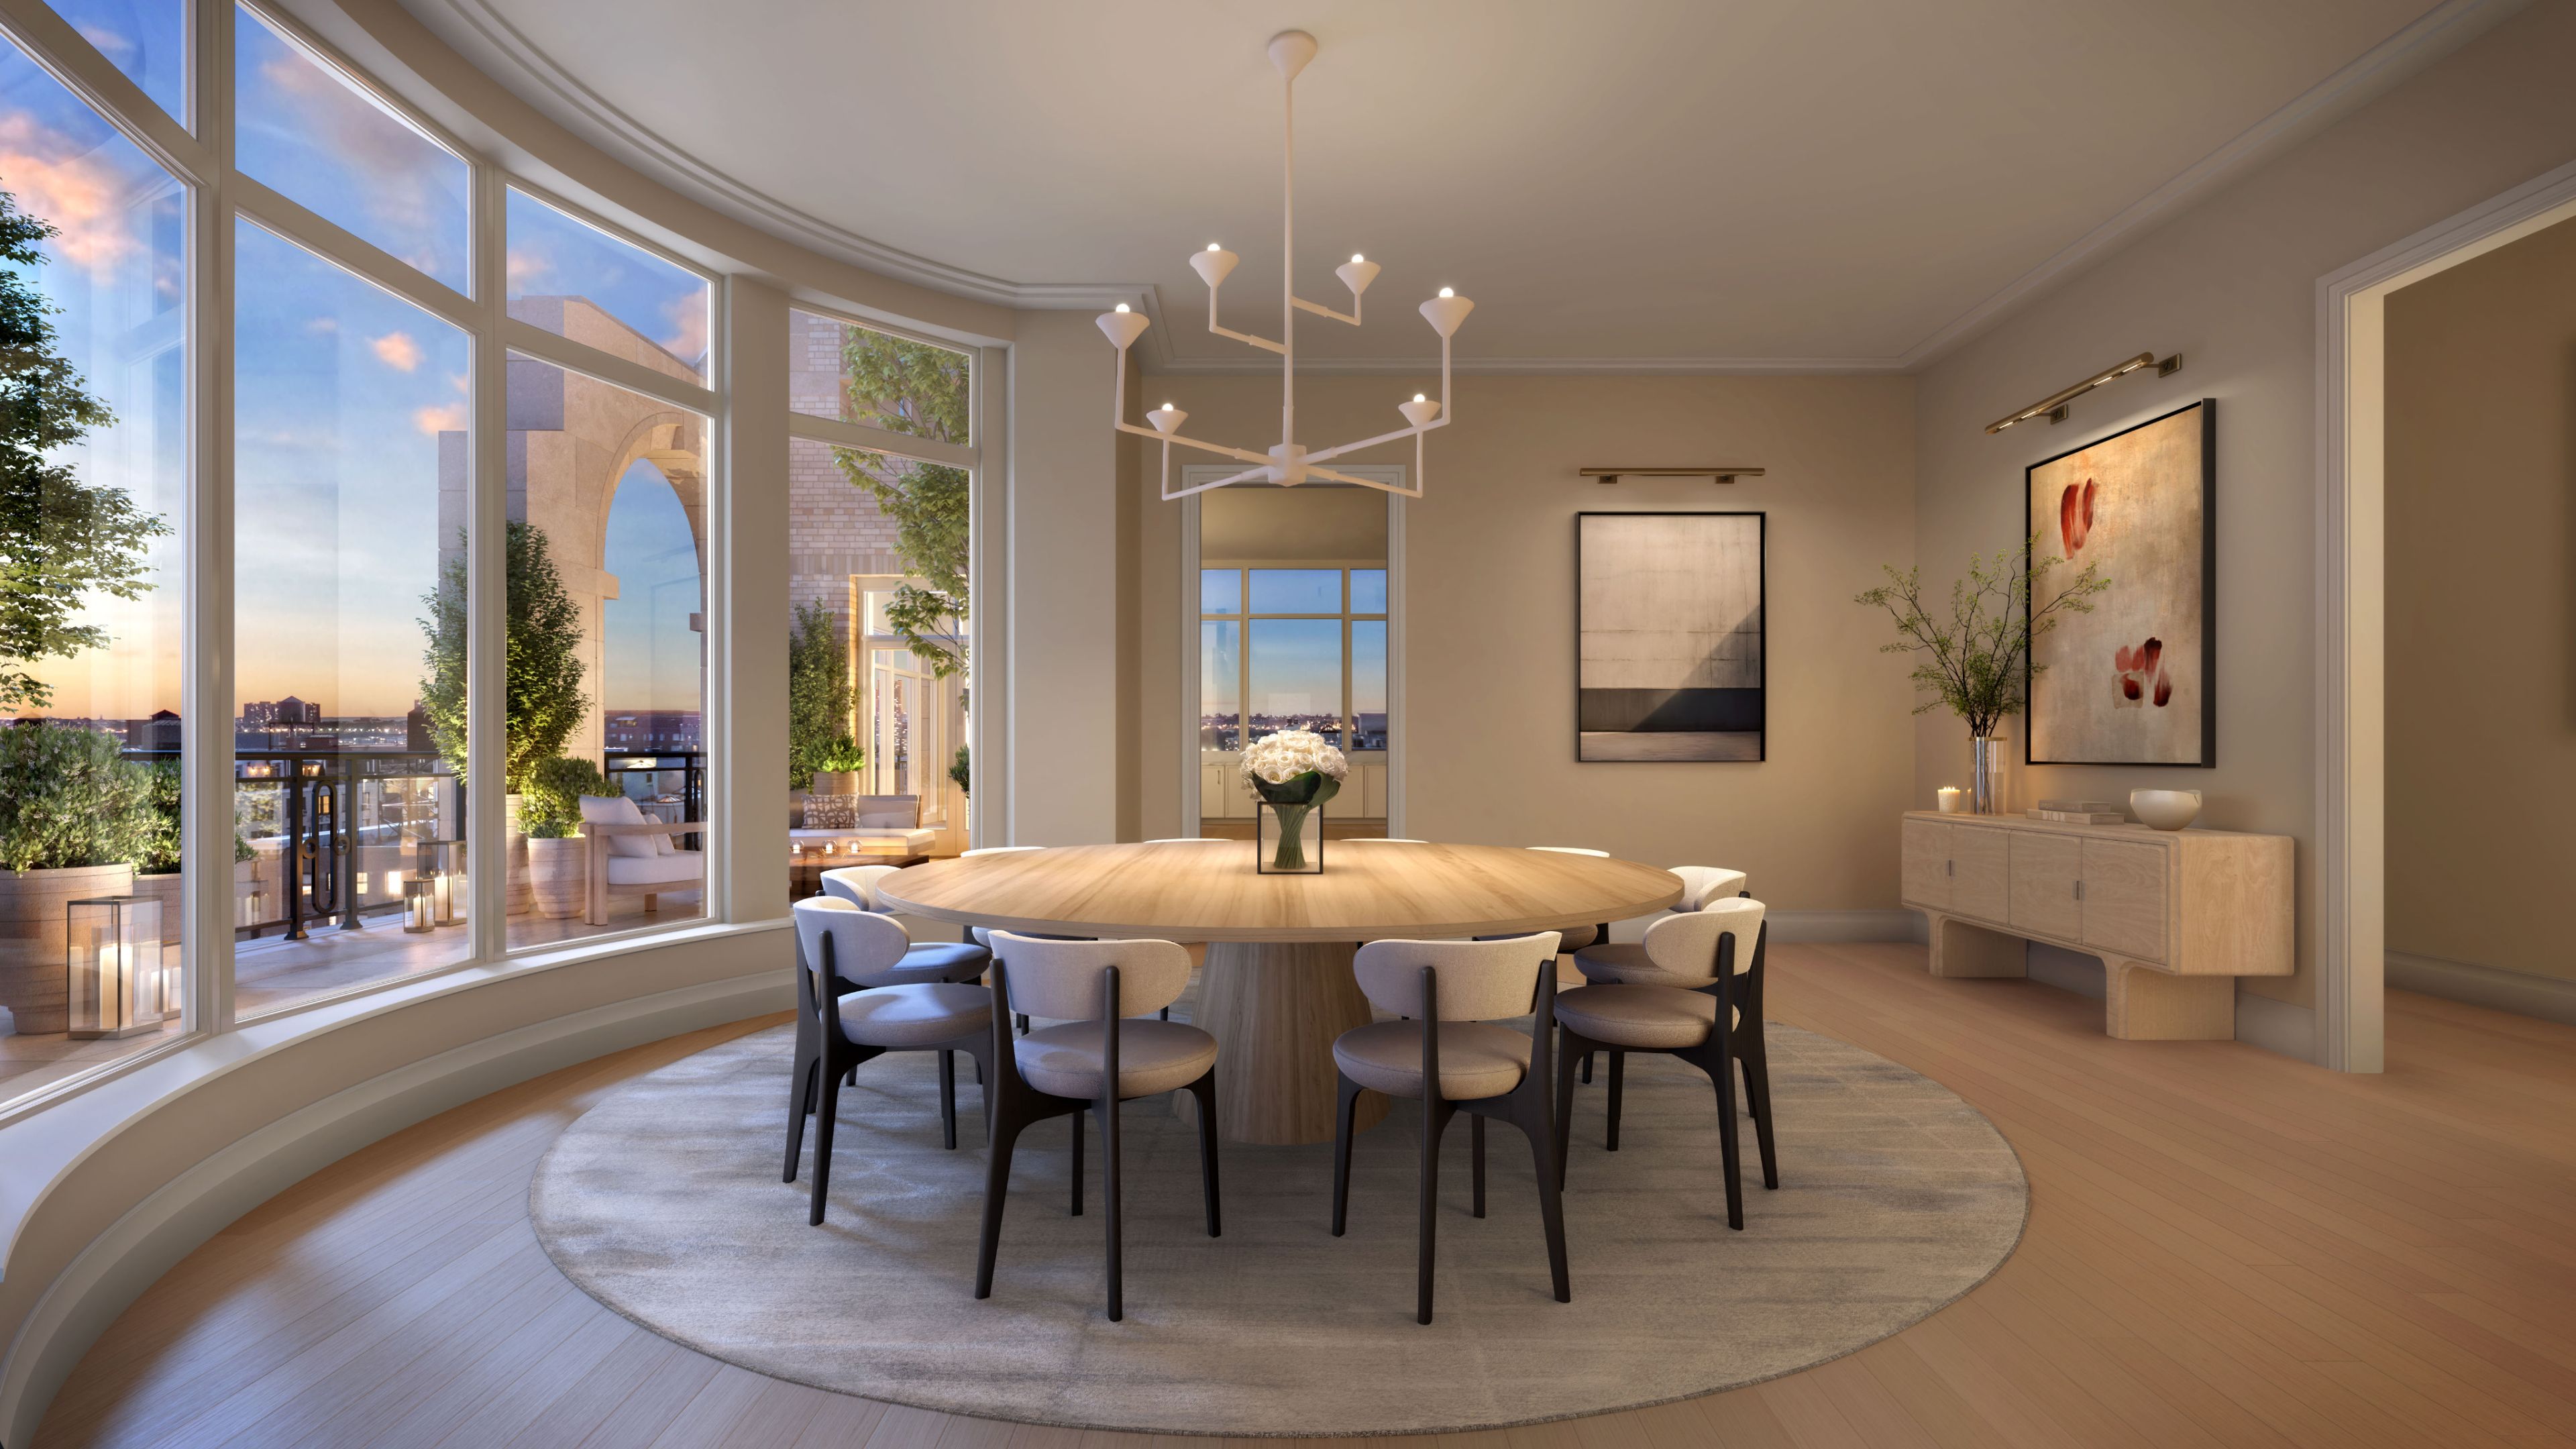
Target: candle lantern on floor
[435,864]
[420,908]
[114,977]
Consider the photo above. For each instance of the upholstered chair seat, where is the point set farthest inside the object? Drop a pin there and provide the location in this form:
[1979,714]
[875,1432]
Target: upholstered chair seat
[922,1014]
[1627,963]
[1477,1058]
[1655,1018]
[1153,1057]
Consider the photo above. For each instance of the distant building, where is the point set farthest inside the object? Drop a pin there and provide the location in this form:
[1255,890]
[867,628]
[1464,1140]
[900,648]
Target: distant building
[416,730]
[160,732]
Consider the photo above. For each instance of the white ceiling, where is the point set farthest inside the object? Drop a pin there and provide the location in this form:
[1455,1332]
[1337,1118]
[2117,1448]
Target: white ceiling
[1668,183]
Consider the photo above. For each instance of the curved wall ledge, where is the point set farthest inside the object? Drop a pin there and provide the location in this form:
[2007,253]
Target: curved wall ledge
[101,1193]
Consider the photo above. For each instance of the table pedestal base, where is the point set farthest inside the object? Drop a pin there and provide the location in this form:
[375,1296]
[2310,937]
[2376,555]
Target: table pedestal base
[1274,1009]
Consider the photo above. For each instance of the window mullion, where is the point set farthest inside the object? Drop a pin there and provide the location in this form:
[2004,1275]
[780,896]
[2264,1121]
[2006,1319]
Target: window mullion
[486,585]
[61,49]
[311,230]
[206,533]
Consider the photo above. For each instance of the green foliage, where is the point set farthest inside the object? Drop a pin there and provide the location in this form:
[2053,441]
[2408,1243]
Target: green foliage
[921,391]
[542,700]
[63,539]
[162,835]
[67,797]
[551,805]
[959,772]
[818,693]
[843,753]
[1976,658]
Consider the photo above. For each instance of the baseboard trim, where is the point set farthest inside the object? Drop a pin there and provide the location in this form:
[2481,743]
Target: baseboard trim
[2276,1026]
[1848,926]
[2546,997]
[134,1251]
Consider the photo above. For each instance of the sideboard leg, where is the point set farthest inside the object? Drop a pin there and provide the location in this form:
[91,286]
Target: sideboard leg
[1960,949]
[2141,1003]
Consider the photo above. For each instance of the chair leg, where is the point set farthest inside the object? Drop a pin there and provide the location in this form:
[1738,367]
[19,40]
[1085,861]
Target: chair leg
[1020,1020]
[801,1087]
[1166,1013]
[1564,1108]
[1476,1160]
[830,1110]
[1076,1119]
[1726,1144]
[1109,1197]
[1618,1085]
[1551,1212]
[997,1186]
[1587,1069]
[1342,1113]
[948,1098]
[1205,1090]
[1433,1120]
[1757,1094]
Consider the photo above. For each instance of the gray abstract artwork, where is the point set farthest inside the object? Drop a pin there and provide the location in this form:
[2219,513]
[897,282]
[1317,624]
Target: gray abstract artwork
[1668,631]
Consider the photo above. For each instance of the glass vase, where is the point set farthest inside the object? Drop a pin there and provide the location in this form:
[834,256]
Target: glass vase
[1288,839]
[1986,774]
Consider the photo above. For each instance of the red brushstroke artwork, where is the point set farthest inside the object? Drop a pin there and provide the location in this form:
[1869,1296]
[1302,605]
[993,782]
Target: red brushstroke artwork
[2075,515]
[2141,673]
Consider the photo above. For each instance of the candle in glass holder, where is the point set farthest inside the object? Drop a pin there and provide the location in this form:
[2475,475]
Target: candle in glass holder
[1949,799]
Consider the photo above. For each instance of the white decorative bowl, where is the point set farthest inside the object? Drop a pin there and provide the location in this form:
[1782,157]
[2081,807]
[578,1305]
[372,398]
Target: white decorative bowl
[2166,809]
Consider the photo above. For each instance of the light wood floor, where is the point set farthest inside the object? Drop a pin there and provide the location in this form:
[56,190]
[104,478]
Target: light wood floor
[2225,1247]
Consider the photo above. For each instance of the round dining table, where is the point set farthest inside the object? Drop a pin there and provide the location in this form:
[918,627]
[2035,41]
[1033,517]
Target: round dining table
[1277,987]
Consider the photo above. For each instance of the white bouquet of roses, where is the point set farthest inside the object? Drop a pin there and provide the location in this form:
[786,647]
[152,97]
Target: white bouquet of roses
[1294,767]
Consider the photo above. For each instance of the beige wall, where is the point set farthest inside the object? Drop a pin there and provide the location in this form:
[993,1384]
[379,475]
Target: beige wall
[2481,607]
[2231,284]
[1488,718]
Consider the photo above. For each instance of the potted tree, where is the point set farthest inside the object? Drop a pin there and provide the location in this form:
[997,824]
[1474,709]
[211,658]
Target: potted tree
[837,766]
[75,816]
[550,813]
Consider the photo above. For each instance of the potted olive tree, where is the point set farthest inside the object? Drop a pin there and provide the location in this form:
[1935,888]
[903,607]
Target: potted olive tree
[550,813]
[75,816]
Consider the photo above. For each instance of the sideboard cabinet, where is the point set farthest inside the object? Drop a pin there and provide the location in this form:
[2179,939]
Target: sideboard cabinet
[2174,915]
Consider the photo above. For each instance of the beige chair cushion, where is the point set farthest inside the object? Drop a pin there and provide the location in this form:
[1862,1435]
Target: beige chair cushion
[1477,1059]
[1153,1056]
[619,810]
[918,1015]
[684,867]
[1639,1016]
[1626,963]
[1704,883]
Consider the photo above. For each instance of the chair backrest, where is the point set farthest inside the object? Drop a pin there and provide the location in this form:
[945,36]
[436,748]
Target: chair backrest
[1686,945]
[1479,980]
[999,849]
[857,884]
[1573,850]
[865,947]
[1061,979]
[619,810]
[1704,883]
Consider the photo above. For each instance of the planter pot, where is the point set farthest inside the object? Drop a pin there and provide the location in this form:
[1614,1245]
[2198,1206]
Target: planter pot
[558,873]
[836,782]
[31,937]
[515,849]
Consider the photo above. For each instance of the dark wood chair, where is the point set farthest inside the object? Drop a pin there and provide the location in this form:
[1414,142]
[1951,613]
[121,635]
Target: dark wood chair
[1698,997]
[1449,1053]
[1098,1058]
[838,947]
[1700,885]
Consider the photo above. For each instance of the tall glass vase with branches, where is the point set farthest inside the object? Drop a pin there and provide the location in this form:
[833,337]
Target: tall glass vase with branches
[1977,658]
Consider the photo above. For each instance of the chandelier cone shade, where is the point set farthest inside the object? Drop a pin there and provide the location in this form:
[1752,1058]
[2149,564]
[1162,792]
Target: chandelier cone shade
[1287,462]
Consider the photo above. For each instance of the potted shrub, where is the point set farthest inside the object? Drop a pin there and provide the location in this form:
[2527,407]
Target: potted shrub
[156,865]
[550,813]
[75,816]
[837,767]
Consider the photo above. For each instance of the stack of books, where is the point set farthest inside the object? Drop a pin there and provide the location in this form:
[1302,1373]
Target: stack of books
[2078,812]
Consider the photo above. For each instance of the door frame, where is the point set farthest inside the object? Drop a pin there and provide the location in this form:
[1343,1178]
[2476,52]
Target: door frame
[1194,474]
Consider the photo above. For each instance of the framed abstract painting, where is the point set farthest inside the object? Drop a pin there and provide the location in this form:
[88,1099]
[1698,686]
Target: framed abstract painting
[1668,636]
[2135,681]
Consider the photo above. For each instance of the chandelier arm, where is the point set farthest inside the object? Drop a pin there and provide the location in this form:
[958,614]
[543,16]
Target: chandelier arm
[1397,436]
[1264,343]
[1245,476]
[1331,476]
[1320,310]
[1240,455]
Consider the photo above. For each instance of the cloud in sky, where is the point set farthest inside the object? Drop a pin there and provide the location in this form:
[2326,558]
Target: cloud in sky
[527,265]
[397,351]
[75,189]
[687,315]
[443,418]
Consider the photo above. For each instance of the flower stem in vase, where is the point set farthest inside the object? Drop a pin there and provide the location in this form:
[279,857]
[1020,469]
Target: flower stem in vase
[1291,854]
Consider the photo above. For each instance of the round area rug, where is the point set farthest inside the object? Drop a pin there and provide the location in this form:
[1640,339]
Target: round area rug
[664,1203]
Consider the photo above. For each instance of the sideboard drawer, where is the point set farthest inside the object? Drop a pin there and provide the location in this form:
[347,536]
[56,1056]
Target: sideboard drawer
[2045,869]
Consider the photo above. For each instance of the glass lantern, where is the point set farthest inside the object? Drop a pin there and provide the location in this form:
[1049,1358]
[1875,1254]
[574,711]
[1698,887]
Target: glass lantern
[438,865]
[420,908]
[115,982]
[1288,839]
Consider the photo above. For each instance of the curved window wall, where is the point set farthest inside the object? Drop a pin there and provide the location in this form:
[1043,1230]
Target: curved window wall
[274,743]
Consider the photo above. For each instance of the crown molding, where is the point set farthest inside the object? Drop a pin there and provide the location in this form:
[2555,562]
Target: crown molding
[516,62]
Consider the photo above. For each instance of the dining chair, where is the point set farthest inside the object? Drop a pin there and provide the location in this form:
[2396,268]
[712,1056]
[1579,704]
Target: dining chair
[922,961]
[1704,883]
[1448,1052]
[848,958]
[1099,1057]
[1701,884]
[983,935]
[1699,998]
[1580,936]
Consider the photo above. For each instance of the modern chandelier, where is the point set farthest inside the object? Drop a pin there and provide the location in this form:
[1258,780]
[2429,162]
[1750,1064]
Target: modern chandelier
[1289,463]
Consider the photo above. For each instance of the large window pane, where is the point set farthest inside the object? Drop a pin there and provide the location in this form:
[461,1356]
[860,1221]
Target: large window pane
[1368,591]
[1297,676]
[89,772]
[1220,591]
[304,128]
[146,39]
[607,588]
[349,517]
[1368,684]
[1221,685]
[576,281]
[837,369]
[1296,591]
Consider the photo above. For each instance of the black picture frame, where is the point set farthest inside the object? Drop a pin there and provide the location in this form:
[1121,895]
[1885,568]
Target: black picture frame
[2208,592]
[1760,705]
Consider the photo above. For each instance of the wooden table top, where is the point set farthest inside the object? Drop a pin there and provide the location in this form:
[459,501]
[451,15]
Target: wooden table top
[1208,891]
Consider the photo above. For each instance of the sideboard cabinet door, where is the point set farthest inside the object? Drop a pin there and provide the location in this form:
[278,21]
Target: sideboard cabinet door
[2045,869]
[1981,873]
[1927,863]
[2124,898]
